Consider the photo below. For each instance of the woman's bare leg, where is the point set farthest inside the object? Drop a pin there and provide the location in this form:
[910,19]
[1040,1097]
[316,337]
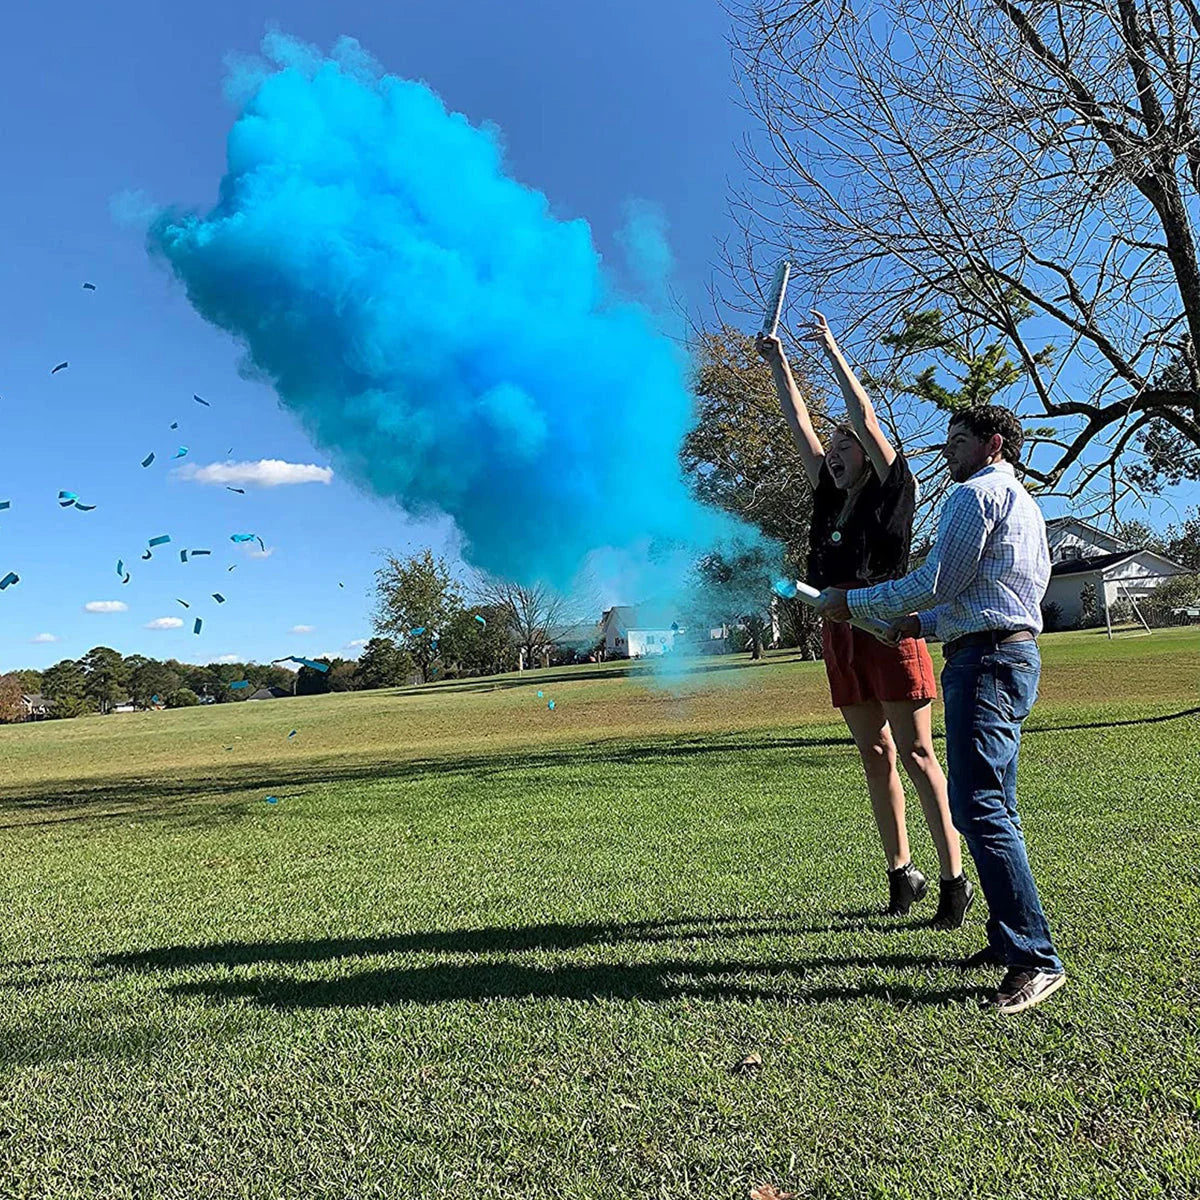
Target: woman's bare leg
[869,726]
[912,731]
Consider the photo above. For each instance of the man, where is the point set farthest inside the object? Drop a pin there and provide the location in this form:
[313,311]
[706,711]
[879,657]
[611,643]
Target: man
[980,591]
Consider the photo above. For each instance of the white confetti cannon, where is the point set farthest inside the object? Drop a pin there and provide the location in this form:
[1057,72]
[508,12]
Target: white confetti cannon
[794,589]
[775,300]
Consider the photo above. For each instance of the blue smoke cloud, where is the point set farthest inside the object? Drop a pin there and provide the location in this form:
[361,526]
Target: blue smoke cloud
[447,340]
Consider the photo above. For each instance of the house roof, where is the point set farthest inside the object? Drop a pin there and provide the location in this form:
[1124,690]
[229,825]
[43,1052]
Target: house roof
[269,693]
[1057,522]
[34,699]
[1101,562]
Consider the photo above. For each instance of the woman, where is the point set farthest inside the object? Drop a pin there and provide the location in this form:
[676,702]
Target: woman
[864,498]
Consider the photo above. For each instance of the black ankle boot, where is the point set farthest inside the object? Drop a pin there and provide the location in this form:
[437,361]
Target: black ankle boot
[955,897]
[906,885]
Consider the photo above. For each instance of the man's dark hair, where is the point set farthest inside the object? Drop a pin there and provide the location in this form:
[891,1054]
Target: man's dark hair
[985,419]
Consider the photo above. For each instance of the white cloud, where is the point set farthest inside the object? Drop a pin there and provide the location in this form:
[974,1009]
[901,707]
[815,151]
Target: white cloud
[106,606]
[164,623]
[302,629]
[42,638]
[358,643]
[227,658]
[267,472]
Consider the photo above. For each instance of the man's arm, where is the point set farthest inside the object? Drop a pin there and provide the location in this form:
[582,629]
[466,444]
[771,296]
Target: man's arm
[858,404]
[792,405]
[949,570]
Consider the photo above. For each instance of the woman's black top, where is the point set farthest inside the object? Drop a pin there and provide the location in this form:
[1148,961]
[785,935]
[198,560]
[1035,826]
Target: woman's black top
[872,543]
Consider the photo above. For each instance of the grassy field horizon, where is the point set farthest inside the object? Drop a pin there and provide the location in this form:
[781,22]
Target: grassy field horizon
[481,948]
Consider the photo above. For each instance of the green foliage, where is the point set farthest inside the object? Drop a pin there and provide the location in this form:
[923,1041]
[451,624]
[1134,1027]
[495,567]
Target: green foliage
[382,664]
[310,682]
[480,649]
[413,593]
[63,686]
[105,678]
[981,374]
[11,691]
[342,675]
[740,456]
[149,679]
[1089,606]
[182,697]
[1180,542]
[736,590]
[30,681]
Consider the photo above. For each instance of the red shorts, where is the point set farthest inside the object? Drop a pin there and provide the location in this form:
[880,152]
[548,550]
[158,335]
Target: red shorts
[861,668]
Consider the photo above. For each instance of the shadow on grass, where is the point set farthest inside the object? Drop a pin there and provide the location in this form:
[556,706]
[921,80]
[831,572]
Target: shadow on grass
[656,981]
[500,939]
[190,797]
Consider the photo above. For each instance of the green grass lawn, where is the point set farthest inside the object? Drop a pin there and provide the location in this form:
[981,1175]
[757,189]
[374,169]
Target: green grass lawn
[482,949]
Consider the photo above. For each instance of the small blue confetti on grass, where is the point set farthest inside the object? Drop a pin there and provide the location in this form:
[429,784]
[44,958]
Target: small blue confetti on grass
[272,799]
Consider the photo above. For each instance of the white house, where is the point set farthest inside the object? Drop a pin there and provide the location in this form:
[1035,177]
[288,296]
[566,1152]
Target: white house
[1081,554]
[630,631]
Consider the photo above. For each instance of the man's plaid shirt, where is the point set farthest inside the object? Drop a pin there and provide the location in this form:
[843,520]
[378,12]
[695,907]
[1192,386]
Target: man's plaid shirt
[989,569]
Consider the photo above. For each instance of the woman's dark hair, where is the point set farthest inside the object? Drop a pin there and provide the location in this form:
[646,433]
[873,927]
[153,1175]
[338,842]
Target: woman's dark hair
[849,430]
[985,419]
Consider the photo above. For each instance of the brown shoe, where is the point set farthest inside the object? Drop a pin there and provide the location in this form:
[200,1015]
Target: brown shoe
[1023,987]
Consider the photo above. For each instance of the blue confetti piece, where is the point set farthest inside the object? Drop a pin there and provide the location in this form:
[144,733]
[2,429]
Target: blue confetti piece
[241,537]
[480,619]
[198,553]
[85,507]
[183,602]
[5,504]
[241,683]
[89,287]
[148,459]
[198,624]
[420,629]
[218,597]
[147,555]
[240,491]
[127,578]
[550,705]
[293,733]
[159,541]
[66,499]
[183,556]
[120,567]
[180,452]
[272,799]
[62,366]
[174,424]
[199,401]
[153,699]
[9,579]
[541,694]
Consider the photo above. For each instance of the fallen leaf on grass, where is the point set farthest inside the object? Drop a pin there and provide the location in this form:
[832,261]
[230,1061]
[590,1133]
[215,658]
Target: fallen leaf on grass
[752,1061]
[768,1191]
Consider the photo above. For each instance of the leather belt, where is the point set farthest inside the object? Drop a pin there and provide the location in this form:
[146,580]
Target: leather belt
[987,637]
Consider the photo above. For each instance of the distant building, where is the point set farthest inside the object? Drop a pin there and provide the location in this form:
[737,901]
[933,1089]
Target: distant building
[1081,554]
[35,706]
[269,693]
[635,631]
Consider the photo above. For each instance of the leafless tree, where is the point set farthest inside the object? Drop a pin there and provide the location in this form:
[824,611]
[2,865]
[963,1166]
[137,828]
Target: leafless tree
[533,611]
[1028,169]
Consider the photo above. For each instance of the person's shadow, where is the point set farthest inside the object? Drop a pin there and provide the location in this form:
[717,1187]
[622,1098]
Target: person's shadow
[496,970]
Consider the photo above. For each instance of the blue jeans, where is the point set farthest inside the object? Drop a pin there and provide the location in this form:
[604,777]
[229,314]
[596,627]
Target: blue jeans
[988,692]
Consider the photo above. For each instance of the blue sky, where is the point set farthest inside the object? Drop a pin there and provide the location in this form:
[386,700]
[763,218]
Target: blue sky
[598,104]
